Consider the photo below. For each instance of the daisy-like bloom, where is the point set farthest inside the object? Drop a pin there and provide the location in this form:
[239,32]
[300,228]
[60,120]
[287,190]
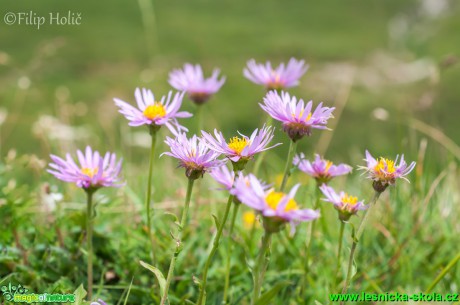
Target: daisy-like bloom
[297,118]
[193,155]
[99,302]
[223,176]
[240,149]
[320,169]
[192,81]
[277,208]
[345,204]
[281,77]
[154,113]
[384,172]
[93,172]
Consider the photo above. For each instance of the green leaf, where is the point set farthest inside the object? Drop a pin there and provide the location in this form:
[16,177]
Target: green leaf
[318,303]
[80,294]
[129,290]
[160,277]
[270,294]
[216,220]
[174,216]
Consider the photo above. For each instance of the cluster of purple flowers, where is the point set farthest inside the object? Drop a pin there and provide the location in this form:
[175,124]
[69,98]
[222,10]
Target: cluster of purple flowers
[200,154]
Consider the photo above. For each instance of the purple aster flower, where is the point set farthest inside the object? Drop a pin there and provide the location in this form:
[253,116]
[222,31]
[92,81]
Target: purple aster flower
[384,172]
[320,169]
[93,172]
[154,113]
[277,208]
[99,302]
[192,81]
[297,117]
[240,149]
[193,155]
[345,204]
[280,78]
[223,176]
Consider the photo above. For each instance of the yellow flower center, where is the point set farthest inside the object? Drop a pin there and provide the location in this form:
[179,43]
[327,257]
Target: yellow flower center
[156,110]
[385,165]
[328,166]
[349,200]
[237,144]
[301,114]
[191,153]
[90,172]
[273,200]
[276,82]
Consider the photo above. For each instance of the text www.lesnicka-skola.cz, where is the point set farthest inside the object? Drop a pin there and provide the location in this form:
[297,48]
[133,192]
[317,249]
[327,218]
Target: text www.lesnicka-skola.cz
[394,297]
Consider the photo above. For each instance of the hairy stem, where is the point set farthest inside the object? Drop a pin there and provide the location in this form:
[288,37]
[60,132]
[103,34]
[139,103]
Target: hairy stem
[261,266]
[215,246]
[356,239]
[178,240]
[342,227]
[149,195]
[308,245]
[89,241]
[292,149]
[229,252]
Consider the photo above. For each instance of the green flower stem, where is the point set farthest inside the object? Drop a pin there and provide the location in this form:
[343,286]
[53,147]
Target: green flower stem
[214,249]
[292,150]
[342,228]
[148,196]
[261,266]
[443,273]
[178,240]
[89,240]
[308,244]
[356,239]
[229,251]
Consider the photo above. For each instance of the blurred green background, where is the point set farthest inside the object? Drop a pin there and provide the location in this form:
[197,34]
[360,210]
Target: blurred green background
[384,61]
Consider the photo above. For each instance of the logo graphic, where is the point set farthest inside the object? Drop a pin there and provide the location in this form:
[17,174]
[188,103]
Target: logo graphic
[9,291]
[18,294]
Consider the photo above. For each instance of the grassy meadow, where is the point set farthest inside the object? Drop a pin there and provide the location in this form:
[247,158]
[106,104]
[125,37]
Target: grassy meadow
[389,67]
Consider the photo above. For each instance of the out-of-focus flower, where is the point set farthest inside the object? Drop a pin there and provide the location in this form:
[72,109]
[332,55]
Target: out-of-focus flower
[192,81]
[277,208]
[384,172]
[154,113]
[49,198]
[3,115]
[193,155]
[281,77]
[297,117]
[99,302]
[223,176]
[240,149]
[93,172]
[250,219]
[320,169]
[52,128]
[345,204]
